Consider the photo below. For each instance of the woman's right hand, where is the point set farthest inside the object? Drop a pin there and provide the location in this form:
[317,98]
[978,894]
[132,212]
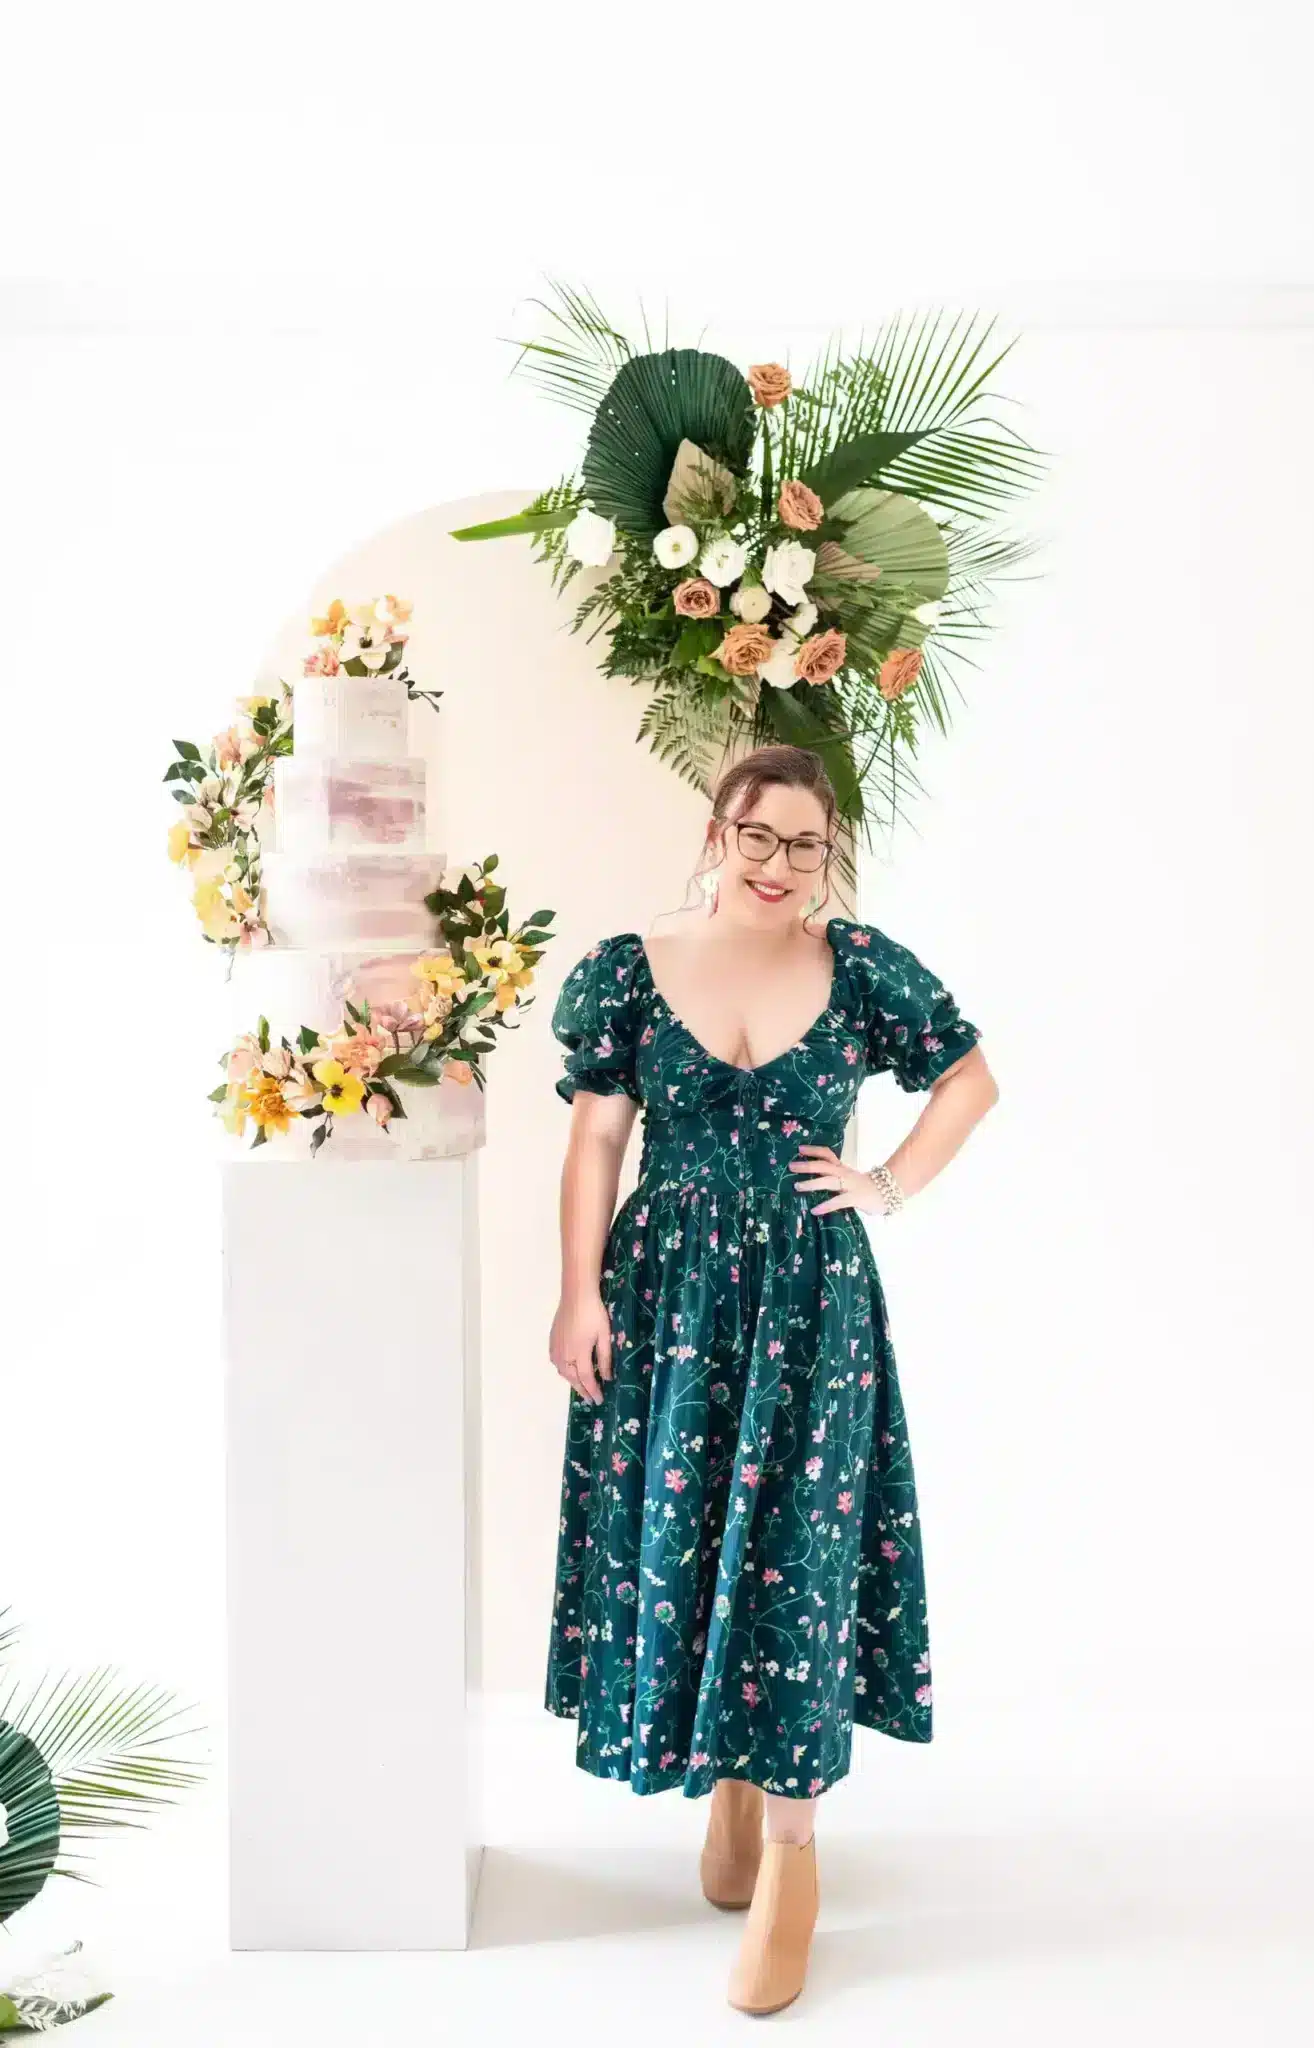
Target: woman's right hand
[580,1328]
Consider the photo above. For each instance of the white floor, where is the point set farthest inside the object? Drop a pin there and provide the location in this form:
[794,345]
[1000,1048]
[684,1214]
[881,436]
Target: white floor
[1100,1888]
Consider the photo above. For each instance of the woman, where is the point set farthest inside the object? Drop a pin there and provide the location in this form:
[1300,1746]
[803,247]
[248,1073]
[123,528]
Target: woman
[739,1568]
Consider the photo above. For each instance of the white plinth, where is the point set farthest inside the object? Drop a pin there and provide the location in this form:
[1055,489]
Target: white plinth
[351,1345]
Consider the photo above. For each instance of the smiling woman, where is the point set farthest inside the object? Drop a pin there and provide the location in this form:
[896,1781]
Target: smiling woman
[739,1570]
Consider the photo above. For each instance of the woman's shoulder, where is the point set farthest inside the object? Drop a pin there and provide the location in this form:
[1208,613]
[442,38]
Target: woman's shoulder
[605,972]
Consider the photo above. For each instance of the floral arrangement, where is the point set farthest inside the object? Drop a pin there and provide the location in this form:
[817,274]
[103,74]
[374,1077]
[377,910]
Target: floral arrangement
[786,559]
[463,992]
[227,792]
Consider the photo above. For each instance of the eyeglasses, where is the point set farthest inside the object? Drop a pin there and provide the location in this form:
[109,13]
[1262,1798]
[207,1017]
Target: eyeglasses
[805,853]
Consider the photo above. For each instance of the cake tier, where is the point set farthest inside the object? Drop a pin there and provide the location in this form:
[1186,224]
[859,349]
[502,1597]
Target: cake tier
[291,988]
[360,718]
[340,902]
[323,802]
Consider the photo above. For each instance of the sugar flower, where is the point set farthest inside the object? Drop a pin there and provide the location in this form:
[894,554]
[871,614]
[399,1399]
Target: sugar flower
[787,569]
[343,1092]
[675,545]
[590,539]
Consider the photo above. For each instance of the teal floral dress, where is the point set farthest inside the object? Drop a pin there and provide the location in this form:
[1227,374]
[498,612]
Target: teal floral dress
[739,1573]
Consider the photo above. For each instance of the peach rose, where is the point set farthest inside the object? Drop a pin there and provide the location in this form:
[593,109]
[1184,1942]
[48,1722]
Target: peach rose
[743,648]
[696,598]
[899,671]
[800,507]
[770,383]
[821,656]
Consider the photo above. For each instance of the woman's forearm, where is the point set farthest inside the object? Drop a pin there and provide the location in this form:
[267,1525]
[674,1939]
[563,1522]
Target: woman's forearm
[957,1103]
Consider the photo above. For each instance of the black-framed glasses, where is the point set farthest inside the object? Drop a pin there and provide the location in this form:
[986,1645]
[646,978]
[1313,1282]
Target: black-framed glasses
[805,852]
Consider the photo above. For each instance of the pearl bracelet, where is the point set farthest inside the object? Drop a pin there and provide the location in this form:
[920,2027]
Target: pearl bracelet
[892,1196]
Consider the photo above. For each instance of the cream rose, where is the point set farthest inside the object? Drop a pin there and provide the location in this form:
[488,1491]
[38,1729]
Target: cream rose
[751,603]
[788,568]
[590,539]
[723,560]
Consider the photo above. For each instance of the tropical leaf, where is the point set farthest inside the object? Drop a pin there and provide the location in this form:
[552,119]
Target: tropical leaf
[654,403]
[108,1749]
[31,1815]
[859,461]
[580,354]
[517,522]
[896,536]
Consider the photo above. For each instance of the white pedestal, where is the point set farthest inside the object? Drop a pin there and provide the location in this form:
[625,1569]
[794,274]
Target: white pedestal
[351,1342]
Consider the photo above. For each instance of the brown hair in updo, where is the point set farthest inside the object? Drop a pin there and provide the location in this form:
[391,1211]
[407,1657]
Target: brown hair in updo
[767,767]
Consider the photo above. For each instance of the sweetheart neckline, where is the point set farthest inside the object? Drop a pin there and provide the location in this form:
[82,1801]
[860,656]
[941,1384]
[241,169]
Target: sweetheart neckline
[732,1066]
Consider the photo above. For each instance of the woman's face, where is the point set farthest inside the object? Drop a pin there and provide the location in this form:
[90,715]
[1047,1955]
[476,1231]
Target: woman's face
[756,880]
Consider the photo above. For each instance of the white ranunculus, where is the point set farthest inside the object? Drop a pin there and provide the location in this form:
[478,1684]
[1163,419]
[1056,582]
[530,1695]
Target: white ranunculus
[788,568]
[928,614]
[590,539]
[751,603]
[804,619]
[211,789]
[675,545]
[723,560]
[779,669]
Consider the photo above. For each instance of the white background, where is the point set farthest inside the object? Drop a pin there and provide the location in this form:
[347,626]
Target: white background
[257,271]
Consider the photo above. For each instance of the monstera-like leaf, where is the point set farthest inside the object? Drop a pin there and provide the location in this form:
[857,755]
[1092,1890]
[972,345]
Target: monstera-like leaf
[892,534]
[654,403]
[31,1811]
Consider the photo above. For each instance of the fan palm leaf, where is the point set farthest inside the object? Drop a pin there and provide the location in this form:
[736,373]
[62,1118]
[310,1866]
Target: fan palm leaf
[653,404]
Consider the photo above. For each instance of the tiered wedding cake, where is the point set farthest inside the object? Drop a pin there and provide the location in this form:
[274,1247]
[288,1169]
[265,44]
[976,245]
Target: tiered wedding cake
[345,879]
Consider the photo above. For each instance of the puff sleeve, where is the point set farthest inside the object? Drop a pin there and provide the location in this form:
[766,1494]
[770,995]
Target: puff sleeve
[596,1020]
[914,1027]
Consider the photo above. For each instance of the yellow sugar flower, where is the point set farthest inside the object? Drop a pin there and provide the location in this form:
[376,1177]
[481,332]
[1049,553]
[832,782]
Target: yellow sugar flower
[334,622]
[442,971]
[180,839]
[343,1092]
[503,965]
[215,913]
[268,1105]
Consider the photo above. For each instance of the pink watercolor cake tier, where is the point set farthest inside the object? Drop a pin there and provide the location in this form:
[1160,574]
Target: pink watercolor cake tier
[322,803]
[341,902]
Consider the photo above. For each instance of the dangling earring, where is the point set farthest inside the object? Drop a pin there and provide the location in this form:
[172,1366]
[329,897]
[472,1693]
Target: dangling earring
[710,884]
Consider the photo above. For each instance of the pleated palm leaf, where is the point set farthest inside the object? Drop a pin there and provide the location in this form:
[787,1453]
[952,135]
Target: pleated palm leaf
[81,1758]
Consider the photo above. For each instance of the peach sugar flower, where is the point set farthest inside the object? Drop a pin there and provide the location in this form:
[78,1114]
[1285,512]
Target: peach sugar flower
[770,383]
[899,671]
[800,507]
[696,598]
[821,656]
[743,649]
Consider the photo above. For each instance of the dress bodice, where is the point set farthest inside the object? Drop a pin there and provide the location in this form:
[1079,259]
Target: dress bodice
[730,1130]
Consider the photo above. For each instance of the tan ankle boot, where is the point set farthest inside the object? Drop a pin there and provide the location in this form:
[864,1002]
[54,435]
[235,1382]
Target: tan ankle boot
[733,1848]
[773,1956]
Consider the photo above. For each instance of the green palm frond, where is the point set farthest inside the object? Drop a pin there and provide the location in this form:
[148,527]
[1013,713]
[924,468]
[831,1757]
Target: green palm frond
[580,354]
[926,375]
[653,404]
[8,1632]
[109,1748]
